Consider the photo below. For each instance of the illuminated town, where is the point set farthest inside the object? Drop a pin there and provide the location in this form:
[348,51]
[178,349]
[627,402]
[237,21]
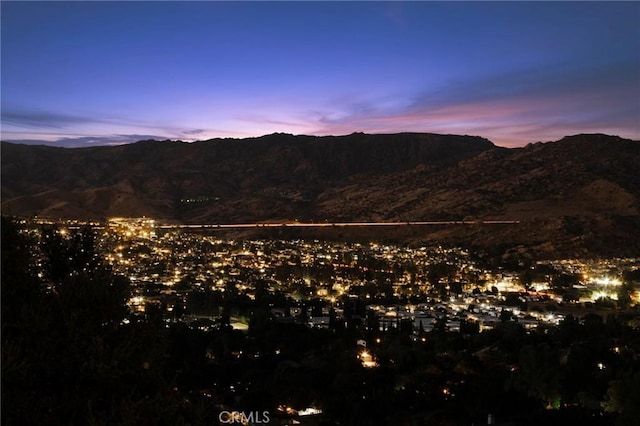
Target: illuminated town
[178,263]
[367,296]
[399,285]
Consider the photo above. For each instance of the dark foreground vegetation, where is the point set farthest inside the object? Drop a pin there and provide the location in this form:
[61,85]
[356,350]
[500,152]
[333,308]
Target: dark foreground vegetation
[74,354]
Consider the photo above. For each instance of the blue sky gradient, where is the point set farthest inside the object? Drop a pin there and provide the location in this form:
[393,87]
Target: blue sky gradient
[97,73]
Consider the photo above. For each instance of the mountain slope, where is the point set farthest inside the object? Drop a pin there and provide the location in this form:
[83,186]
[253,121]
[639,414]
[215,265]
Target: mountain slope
[158,175]
[579,193]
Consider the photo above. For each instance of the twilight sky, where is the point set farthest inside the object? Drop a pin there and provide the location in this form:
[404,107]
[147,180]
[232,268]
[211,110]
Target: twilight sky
[97,73]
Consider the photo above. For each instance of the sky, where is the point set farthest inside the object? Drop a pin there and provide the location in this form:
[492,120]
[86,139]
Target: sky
[104,73]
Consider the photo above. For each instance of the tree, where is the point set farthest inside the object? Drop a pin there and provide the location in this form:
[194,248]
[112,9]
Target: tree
[623,397]
[624,295]
[67,357]
[20,288]
[564,281]
[456,287]
[440,270]
[526,279]
[538,373]
[373,323]
[571,295]
[505,315]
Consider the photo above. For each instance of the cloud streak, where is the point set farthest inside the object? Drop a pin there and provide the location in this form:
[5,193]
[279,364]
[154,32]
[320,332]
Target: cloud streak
[510,108]
[194,132]
[37,126]
[86,141]
[43,119]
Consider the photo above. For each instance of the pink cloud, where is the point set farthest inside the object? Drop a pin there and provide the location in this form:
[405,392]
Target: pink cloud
[507,122]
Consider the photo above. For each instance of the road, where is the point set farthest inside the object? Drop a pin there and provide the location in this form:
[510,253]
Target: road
[337,224]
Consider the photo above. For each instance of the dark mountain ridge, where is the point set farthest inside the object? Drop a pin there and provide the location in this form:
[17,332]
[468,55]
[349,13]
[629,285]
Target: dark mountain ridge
[575,194]
[169,171]
[329,156]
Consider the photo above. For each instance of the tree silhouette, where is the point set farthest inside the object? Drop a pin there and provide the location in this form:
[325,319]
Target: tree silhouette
[67,358]
[538,373]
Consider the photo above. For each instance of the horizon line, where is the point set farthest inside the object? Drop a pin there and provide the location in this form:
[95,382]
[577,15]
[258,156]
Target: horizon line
[91,142]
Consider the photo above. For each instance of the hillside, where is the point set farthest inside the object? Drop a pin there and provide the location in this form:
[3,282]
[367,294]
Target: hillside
[159,178]
[577,195]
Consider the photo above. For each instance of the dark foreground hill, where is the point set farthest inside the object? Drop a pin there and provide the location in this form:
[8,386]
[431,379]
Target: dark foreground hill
[579,195]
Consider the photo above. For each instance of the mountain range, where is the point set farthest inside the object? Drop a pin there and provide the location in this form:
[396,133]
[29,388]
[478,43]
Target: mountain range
[576,196]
